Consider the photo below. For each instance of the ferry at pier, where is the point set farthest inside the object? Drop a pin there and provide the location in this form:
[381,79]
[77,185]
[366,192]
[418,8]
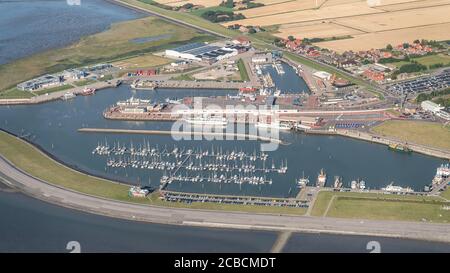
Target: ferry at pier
[396,189]
[282,126]
[133,102]
[204,120]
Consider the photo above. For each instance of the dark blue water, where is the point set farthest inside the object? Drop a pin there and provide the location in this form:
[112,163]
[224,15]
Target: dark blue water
[31,26]
[30,225]
[54,126]
[289,82]
[326,243]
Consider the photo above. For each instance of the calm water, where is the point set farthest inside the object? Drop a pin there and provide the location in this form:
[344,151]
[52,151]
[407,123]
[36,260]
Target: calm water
[30,225]
[288,82]
[54,127]
[31,26]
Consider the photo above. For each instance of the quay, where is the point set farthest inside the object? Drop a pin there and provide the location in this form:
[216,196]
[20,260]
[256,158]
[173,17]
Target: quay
[58,94]
[370,137]
[224,136]
[170,84]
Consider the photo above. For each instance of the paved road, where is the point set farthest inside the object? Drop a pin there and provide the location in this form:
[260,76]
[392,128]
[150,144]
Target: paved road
[71,199]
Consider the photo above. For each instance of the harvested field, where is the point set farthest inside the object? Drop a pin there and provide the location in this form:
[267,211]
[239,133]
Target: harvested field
[271,2]
[309,15]
[372,24]
[175,3]
[323,30]
[398,19]
[280,8]
[381,39]
[414,5]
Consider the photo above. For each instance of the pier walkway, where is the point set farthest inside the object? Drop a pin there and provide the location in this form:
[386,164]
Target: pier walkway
[220,136]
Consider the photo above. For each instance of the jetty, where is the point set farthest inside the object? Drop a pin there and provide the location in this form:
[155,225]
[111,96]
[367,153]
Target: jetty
[219,135]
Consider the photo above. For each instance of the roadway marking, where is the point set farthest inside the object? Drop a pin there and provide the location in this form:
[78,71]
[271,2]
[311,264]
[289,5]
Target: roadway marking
[329,205]
[281,241]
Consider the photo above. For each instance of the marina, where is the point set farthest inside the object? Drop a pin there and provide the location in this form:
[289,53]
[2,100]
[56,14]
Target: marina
[193,165]
[80,120]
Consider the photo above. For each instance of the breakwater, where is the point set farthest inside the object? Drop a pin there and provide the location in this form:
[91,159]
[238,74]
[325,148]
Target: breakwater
[384,140]
[223,135]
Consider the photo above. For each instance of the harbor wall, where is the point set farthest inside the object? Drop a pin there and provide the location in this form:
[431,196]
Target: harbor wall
[181,133]
[56,95]
[384,140]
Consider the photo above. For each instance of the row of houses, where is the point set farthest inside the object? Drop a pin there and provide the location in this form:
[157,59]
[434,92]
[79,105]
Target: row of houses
[357,61]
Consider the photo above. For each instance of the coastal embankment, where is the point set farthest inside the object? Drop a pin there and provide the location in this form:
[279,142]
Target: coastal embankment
[361,135]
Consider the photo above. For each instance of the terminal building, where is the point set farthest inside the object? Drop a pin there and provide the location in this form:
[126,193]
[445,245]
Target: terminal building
[431,106]
[436,109]
[202,52]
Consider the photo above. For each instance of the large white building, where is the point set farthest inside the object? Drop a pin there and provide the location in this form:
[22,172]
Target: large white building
[431,106]
[436,109]
[201,52]
[322,75]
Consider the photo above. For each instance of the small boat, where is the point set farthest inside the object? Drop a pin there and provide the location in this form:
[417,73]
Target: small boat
[321,178]
[337,182]
[68,96]
[399,148]
[88,91]
[138,192]
[302,182]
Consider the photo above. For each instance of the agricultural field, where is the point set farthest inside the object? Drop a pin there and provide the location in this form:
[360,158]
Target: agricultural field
[324,30]
[370,25]
[428,60]
[177,3]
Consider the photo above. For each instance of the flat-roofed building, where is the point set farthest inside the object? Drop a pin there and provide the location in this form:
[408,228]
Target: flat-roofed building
[322,75]
[202,52]
[41,82]
[431,106]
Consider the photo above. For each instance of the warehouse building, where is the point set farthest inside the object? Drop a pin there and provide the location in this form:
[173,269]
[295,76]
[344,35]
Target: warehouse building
[202,52]
[323,75]
[41,82]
